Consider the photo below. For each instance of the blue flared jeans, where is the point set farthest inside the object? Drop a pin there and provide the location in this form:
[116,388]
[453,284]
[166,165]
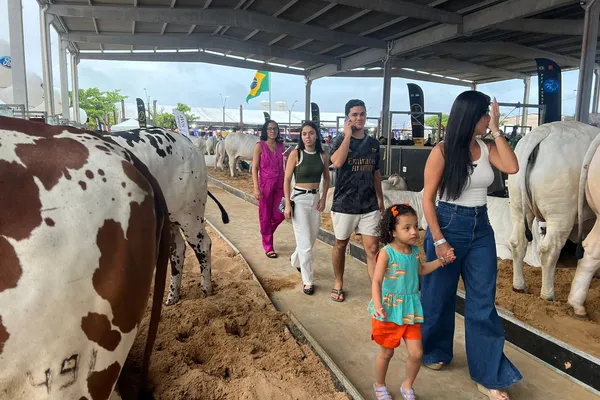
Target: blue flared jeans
[469,232]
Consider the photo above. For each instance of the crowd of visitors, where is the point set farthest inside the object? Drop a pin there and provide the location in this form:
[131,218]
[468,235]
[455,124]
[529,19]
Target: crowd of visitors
[459,241]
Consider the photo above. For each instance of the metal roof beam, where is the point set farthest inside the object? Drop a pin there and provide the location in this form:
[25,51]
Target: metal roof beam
[404,9]
[505,49]
[204,41]
[214,17]
[456,65]
[493,15]
[189,57]
[401,73]
[568,27]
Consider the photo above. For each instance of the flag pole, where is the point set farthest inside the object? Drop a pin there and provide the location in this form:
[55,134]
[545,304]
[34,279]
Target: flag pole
[270,94]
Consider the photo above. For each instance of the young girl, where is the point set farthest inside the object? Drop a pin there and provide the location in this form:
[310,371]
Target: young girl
[395,307]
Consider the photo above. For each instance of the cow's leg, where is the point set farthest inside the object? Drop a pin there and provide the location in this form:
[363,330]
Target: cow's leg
[177,259]
[550,247]
[518,243]
[217,159]
[586,268]
[199,241]
[232,165]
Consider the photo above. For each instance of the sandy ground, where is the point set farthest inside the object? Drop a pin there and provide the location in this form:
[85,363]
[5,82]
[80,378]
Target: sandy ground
[554,318]
[232,345]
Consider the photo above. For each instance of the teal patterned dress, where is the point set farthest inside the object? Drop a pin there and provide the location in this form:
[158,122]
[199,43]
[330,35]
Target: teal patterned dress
[400,289]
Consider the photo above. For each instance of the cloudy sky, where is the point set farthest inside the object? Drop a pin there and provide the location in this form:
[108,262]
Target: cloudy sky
[199,84]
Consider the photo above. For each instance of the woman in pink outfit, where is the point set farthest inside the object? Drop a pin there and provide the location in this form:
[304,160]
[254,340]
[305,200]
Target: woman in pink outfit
[267,174]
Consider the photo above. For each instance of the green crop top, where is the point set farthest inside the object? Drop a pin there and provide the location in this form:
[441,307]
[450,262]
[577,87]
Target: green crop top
[309,168]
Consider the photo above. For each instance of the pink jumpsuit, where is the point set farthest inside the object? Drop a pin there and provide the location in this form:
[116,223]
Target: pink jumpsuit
[270,182]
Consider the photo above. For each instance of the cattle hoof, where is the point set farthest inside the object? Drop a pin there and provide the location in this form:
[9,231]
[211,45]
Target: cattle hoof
[172,300]
[583,316]
[524,291]
[548,298]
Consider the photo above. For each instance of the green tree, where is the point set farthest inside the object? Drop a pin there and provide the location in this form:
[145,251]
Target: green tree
[433,120]
[97,103]
[164,119]
[167,120]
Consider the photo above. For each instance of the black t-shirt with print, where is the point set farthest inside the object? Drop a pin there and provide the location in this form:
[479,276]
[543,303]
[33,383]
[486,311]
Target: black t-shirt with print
[355,184]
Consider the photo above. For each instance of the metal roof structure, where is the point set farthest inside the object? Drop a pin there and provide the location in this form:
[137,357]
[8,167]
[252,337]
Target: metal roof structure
[449,41]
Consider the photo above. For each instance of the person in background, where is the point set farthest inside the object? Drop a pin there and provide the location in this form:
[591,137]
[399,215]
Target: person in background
[358,197]
[267,176]
[308,164]
[395,305]
[459,170]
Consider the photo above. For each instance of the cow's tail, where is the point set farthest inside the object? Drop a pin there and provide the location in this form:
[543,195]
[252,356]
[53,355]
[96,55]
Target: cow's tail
[527,161]
[224,215]
[581,196]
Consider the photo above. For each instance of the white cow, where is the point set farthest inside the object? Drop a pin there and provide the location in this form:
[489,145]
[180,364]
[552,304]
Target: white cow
[589,263]
[211,142]
[394,182]
[239,146]
[546,186]
[82,226]
[180,169]
[220,154]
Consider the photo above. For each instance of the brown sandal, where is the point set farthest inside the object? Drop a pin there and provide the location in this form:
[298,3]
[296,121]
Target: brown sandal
[340,295]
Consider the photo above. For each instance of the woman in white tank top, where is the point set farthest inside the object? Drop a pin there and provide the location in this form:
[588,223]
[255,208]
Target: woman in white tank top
[459,170]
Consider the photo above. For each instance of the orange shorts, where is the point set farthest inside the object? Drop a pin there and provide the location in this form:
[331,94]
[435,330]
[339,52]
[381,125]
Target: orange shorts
[390,335]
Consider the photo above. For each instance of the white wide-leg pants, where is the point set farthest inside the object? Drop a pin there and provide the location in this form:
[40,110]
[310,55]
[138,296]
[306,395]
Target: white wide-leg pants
[306,221]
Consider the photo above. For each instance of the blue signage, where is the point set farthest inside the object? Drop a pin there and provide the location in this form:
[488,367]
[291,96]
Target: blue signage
[6,61]
[551,85]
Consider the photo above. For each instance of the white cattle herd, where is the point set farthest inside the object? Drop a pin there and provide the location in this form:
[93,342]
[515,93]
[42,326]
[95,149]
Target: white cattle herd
[85,220]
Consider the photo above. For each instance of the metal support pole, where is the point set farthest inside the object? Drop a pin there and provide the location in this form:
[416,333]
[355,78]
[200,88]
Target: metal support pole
[385,121]
[526,93]
[474,86]
[64,79]
[46,62]
[75,86]
[17,51]
[588,59]
[307,99]
[596,92]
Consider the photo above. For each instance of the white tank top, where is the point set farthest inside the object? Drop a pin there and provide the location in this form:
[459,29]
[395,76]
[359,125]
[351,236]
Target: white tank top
[475,192]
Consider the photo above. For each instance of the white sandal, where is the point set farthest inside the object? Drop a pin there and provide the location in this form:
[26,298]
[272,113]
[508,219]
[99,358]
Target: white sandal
[490,395]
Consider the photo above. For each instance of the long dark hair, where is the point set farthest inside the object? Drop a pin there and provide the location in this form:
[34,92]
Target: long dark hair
[318,145]
[263,131]
[387,223]
[467,110]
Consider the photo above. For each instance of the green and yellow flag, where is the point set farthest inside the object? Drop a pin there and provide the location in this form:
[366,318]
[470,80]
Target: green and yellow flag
[259,84]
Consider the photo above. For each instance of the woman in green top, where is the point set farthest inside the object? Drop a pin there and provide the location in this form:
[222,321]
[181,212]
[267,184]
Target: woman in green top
[307,165]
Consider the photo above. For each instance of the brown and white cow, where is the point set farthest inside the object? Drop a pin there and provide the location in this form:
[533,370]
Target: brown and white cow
[177,162]
[82,227]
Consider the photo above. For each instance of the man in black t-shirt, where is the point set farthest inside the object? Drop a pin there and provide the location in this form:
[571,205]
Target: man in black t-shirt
[358,198]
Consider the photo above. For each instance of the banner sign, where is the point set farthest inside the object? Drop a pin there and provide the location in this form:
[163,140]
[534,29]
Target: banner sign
[550,89]
[182,123]
[267,116]
[141,112]
[417,121]
[315,114]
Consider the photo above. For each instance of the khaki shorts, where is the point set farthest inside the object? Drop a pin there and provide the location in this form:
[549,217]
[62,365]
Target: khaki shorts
[364,224]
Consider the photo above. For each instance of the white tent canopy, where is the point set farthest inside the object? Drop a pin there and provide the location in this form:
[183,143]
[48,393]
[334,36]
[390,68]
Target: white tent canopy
[127,124]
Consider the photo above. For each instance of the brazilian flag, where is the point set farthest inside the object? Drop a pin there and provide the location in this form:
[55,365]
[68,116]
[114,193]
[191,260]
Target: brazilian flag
[259,84]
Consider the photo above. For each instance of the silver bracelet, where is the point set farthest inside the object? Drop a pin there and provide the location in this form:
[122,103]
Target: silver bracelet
[439,242]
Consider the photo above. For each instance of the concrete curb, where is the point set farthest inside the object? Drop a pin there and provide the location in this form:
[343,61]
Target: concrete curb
[581,368]
[340,381]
